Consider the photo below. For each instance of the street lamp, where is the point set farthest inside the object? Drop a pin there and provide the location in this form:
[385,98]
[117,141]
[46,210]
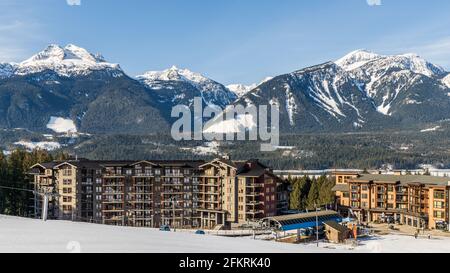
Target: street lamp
[317,224]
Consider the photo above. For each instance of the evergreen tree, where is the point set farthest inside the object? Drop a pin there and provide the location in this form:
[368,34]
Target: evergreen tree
[296,194]
[326,194]
[305,187]
[313,195]
[13,174]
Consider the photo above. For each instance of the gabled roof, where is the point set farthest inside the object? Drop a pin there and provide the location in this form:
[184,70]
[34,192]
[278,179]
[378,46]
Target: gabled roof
[66,163]
[143,162]
[223,161]
[257,169]
[47,165]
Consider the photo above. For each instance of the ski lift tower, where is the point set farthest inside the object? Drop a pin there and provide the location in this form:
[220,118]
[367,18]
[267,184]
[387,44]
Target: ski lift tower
[45,199]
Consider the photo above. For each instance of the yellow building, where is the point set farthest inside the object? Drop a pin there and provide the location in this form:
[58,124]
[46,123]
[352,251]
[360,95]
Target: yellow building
[418,201]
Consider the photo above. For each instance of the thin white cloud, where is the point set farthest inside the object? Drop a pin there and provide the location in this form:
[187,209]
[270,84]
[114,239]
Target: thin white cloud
[18,31]
[374,2]
[73,2]
[437,51]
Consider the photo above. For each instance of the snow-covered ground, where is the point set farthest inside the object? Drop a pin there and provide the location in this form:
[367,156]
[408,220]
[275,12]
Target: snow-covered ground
[29,235]
[209,148]
[430,129]
[43,145]
[61,125]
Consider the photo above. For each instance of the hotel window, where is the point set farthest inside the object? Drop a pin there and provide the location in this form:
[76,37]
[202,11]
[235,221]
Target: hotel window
[67,190]
[365,188]
[439,214]
[157,171]
[67,182]
[67,172]
[364,196]
[67,199]
[439,195]
[186,171]
[138,170]
[98,180]
[439,205]
[390,188]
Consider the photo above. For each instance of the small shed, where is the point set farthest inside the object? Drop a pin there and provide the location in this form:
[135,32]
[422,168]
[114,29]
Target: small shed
[336,233]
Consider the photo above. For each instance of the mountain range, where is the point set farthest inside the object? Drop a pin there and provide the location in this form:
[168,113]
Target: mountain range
[361,91]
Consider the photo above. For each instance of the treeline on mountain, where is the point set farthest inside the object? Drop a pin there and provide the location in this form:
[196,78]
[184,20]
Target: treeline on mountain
[308,193]
[403,150]
[14,178]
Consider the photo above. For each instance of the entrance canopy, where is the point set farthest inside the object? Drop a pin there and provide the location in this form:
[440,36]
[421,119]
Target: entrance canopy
[302,220]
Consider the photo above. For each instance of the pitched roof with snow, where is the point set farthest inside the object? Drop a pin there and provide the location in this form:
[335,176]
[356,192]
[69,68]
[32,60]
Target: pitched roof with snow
[403,179]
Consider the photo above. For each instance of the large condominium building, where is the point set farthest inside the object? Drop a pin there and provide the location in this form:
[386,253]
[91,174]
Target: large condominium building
[414,200]
[240,191]
[182,194]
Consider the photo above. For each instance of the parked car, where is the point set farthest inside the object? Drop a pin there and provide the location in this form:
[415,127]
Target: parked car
[164,228]
[200,232]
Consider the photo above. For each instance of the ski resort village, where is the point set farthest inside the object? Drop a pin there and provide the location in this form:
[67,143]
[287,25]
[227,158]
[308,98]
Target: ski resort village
[224,206]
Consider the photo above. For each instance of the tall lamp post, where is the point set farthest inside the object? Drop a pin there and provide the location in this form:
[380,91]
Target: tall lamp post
[317,225]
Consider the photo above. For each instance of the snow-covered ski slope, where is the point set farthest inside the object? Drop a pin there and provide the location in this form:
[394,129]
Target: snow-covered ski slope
[29,235]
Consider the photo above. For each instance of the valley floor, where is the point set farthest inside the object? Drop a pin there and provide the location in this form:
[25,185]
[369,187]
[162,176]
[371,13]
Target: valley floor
[29,235]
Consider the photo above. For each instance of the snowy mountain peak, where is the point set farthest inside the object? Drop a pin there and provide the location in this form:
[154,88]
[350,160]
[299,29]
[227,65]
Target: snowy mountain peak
[386,78]
[360,59]
[241,89]
[211,91]
[172,74]
[415,63]
[56,53]
[446,81]
[70,60]
[356,59]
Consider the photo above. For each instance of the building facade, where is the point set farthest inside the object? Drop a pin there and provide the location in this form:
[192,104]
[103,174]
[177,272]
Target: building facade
[180,194]
[413,200]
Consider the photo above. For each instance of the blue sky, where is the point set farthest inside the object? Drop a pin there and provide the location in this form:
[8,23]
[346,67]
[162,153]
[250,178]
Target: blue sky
[231,41]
